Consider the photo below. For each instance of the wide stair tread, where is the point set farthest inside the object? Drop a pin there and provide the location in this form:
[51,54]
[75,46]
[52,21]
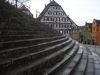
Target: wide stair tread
[5,38]
[32,47]
[27,42]
[30,55]
[67,57]
[67,67]
[9,54]
[94,64]
[82,65]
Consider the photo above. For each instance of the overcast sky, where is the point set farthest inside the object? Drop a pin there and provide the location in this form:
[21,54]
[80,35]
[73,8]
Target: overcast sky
[79,11]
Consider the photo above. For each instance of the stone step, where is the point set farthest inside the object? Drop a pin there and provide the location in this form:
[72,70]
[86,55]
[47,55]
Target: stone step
[82,65]
[38,66]
[5,38]
[32,56]
[28,42]
[67,67]
[30,49]
[90,65]
[16,32]
[68,55]
[95,64]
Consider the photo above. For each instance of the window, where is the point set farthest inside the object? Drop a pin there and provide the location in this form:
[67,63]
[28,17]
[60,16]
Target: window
[44,18]
[57,25]
[47,18]
[54,19]
[49,13]
[56,13]
[59,13]
[59,7]
[61,25]
[51,19]
[64,19]
[56,7]
[53,7]
[64,25]
[59,18]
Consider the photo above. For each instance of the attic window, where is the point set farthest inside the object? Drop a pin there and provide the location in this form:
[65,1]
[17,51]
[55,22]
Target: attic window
[47,18]
[53,7]
[49,12]
[56,7]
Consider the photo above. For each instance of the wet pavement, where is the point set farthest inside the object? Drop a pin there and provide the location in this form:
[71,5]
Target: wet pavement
[95,51]
[94,48]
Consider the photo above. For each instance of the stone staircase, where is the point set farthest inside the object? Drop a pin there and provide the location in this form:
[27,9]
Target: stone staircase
[42,51]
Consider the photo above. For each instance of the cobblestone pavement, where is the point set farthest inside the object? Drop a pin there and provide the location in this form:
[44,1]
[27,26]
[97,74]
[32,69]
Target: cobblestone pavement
[94,48]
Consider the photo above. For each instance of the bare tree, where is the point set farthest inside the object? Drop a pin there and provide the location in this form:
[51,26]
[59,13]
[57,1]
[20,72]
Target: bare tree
[17,2]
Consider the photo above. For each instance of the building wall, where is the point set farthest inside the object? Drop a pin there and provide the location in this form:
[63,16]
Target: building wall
[94,31]
[87,39]
[75,35]
[56,18]
[98,35]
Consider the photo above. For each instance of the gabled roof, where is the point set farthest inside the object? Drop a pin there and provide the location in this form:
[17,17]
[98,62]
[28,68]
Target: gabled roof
[52,3]
[98,22]
[89,25]
[23,8]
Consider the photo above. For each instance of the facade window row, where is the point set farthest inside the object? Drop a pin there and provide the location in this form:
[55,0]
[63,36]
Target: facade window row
[53,8]
[61,26]
[55,13]
[63,19]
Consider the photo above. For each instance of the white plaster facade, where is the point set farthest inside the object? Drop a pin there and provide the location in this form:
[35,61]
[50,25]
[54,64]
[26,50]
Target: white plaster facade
[54,16]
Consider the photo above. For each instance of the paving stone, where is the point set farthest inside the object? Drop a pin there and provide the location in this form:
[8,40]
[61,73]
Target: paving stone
[95,58]
[89,73]
[72,64]
[96,62]
[90,60]
[89,53]
[97,66]
[85,56]
[76,58]
[82,65]
[80,51]
[85,51]
[90,56]
[97,72]
[67,71]
[90,67]
[64,71]
[78,73]
[71,53]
